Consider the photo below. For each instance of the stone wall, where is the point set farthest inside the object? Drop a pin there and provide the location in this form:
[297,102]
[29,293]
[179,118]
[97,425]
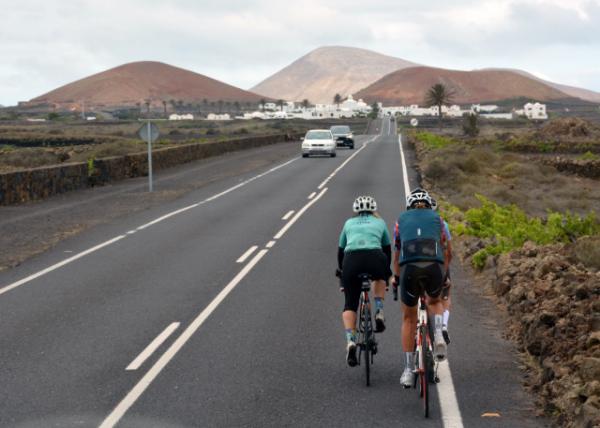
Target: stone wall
[39,183]
[583,168]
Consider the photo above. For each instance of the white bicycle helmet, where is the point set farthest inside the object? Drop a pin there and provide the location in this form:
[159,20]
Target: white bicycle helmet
[364,204]
[418,195]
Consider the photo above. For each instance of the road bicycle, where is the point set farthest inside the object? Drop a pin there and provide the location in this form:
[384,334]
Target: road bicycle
[425,366]
[366,342]
[424,363]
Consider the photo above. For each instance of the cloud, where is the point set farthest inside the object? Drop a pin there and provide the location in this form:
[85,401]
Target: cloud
[48,44]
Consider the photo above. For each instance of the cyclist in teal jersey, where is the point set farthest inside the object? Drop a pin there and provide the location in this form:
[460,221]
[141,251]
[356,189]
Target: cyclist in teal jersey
[364,248]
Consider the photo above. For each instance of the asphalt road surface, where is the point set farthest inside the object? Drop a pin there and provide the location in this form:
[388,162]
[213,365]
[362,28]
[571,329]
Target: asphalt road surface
[232,285]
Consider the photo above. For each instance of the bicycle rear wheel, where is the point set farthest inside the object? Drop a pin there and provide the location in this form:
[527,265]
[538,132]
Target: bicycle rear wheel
[368,332]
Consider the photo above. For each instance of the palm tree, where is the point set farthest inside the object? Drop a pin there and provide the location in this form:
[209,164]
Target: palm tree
[438,95]
[164,103]
[262,104]
[305,103]
[205,104]
[337,100]
[280,104]
[147,102]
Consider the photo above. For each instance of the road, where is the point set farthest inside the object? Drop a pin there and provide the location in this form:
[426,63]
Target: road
[252,342]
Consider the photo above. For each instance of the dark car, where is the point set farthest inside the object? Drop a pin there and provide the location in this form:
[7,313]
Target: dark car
[343,136]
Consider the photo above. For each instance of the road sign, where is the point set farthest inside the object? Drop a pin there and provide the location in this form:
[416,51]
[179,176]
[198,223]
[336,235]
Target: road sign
[151,129]
[149,132]
[414,122]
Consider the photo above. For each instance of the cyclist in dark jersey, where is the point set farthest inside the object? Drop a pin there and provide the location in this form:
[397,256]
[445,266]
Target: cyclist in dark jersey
[419,261]
[364,247]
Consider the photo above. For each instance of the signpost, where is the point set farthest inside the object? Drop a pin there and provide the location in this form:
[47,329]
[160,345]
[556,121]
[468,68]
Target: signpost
[414,122]
[149,132]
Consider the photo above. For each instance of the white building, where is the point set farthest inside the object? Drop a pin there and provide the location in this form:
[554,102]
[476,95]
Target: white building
[212,116]
[188,116]
[269,106]
[478,108]
[535,111]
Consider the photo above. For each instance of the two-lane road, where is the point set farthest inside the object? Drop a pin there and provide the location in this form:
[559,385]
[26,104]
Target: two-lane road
[233,284]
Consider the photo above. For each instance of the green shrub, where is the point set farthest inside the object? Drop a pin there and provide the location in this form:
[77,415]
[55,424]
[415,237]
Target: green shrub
[433,141]
[505,228]
[589,156]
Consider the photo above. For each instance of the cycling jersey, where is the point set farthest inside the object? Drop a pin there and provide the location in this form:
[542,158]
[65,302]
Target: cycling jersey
[364,232]
[419,235]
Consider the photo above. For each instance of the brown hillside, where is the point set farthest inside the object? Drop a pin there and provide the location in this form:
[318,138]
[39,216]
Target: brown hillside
[327,71]
[410,85]
[136,82]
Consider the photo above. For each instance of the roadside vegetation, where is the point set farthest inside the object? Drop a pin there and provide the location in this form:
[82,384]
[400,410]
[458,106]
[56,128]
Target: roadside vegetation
[31,145]
[532,236]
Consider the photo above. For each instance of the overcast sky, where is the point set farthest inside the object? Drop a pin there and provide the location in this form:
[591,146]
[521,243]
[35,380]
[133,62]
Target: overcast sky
[46,44]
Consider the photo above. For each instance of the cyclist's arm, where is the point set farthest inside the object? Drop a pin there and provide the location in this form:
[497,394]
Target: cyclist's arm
[397,246]
[387,250]
[340,257]
[445,243]
[386,244]
[341,246]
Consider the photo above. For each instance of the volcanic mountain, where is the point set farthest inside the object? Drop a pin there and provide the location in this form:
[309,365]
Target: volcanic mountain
[138,82]
[410,85]
[573,91]
[327,71]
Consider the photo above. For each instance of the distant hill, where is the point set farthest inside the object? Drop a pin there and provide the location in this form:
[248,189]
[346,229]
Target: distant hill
[410,85]
[573,91]
[329,70]
[136,82]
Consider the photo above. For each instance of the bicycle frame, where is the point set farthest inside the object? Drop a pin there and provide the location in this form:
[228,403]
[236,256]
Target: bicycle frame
[423,354]
[366,341]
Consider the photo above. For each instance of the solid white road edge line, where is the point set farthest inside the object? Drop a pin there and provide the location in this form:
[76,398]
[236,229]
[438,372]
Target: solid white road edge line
[141,386]
[404,173]
[299,214]
[153,346]
[288,215]
[111,241]
[244,256]
[60,264]
[270,244]
[446,394]
[451,416]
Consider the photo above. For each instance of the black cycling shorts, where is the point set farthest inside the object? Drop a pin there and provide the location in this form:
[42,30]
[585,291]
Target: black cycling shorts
[415,279]
[373,262]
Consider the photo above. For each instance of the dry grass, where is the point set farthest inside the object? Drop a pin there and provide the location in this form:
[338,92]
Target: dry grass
[460,171]
[587,251]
